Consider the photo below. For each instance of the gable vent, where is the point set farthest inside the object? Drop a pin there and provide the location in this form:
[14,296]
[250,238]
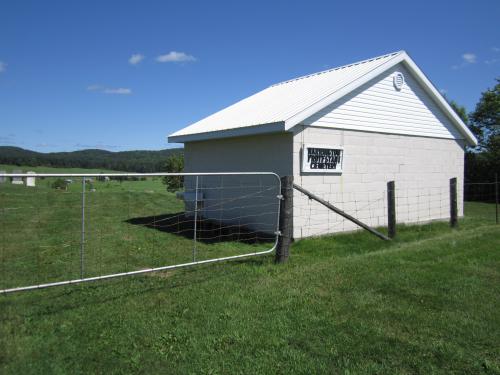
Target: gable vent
[398,80]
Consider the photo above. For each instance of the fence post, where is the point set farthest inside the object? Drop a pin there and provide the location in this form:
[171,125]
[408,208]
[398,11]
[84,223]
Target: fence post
[195,229]
[496,198]
[82,244]
[453,203]
[391,209]
[286,220]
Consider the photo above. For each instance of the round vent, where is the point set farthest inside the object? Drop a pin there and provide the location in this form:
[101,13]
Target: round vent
[399,80]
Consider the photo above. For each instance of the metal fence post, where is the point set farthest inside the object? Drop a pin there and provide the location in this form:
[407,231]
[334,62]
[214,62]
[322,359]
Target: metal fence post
[286,220]
[195,218]
[391,209]
[496,198]
[453,203]
[82,244]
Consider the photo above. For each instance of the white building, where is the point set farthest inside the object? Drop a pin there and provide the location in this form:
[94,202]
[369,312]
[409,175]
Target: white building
[343,134]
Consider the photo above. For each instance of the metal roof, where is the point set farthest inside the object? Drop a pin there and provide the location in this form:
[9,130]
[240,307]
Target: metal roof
[284,105]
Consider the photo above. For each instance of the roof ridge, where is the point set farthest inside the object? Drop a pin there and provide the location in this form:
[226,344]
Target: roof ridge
[337,68]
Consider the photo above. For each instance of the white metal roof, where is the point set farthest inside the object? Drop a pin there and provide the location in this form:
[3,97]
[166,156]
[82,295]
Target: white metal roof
[284,105]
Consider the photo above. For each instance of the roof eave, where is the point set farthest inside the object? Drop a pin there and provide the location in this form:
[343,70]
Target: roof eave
[274,127]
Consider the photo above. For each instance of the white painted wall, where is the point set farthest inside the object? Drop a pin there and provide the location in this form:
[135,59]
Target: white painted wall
[264,153]
[421,168]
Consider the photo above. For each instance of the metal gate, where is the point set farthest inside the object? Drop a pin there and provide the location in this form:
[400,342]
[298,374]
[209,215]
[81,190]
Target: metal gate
[60,229]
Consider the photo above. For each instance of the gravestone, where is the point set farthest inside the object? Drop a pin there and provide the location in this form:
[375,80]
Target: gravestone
[17,180]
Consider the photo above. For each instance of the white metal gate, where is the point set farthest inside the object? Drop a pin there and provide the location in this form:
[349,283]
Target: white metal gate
[75,228]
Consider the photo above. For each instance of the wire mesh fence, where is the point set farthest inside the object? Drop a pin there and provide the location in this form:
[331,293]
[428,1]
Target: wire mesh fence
[75,228]
[416,202]
[482,200]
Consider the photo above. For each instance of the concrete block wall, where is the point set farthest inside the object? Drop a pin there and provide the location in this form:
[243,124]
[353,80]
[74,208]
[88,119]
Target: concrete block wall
[240,200]
[420,166]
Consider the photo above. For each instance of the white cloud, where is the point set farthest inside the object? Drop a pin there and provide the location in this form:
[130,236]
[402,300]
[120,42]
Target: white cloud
[3,66]
[491,61]
[135,59]
[94,88]
[174,56]
[469,58]
[495,49]
[110,90]
[118,90]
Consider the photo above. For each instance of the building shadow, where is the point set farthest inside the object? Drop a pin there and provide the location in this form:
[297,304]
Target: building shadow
[208,231]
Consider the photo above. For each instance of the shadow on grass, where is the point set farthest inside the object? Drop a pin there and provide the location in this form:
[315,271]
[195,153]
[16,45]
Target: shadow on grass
[207,231]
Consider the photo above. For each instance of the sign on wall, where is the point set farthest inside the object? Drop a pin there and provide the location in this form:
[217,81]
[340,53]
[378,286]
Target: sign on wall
[322,158]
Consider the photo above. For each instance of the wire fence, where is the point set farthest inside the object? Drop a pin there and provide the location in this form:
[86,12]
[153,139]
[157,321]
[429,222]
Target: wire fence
[75,228]
[482,200]
[72,228]
[416,202]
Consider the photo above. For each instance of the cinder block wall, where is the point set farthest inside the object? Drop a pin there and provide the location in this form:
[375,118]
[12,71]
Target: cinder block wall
[224,197]
[421,168]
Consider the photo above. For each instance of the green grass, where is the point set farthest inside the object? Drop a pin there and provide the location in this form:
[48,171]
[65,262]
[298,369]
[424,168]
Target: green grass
[427,302]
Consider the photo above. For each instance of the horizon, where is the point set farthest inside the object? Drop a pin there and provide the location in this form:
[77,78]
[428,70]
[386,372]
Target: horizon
[123,76]
[92,149]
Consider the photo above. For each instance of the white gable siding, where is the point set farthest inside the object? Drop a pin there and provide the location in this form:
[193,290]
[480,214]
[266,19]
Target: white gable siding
[378,107]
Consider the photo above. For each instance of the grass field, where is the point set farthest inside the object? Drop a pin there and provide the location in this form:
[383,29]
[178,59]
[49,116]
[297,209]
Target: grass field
[40,231]
[427,302]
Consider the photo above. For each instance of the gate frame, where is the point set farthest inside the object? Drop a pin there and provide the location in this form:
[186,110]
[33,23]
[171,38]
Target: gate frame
[145,270]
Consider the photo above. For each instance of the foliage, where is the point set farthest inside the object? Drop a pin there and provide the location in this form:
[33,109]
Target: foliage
[174,164]
[485,120]
[59,184]
[460,111]
[127,161]
[483,163]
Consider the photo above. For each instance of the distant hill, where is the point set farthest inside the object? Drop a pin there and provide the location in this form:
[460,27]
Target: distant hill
[127,161]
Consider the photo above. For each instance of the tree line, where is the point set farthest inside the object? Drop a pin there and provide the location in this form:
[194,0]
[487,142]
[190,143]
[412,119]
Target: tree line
[125,161]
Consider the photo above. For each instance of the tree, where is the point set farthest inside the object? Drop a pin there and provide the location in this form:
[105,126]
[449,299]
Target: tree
[460,111]
[485,120]
[174,164]
[59,184]
[485,123]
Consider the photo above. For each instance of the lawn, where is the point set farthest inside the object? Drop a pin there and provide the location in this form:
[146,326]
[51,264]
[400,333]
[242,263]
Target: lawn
[129,225]
[427,302]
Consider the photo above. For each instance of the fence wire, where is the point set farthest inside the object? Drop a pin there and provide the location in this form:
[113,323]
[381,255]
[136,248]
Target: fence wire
[74,228]
[482,200]
[415,203]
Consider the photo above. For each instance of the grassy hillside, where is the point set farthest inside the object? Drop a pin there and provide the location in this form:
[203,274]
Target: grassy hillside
[425,303]
[130,161]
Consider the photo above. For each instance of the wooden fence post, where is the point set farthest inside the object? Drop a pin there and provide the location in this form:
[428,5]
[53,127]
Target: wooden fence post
[286,220]
[453,203]
[391,209]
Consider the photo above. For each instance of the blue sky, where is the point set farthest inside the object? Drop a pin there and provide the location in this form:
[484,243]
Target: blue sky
[122,75]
